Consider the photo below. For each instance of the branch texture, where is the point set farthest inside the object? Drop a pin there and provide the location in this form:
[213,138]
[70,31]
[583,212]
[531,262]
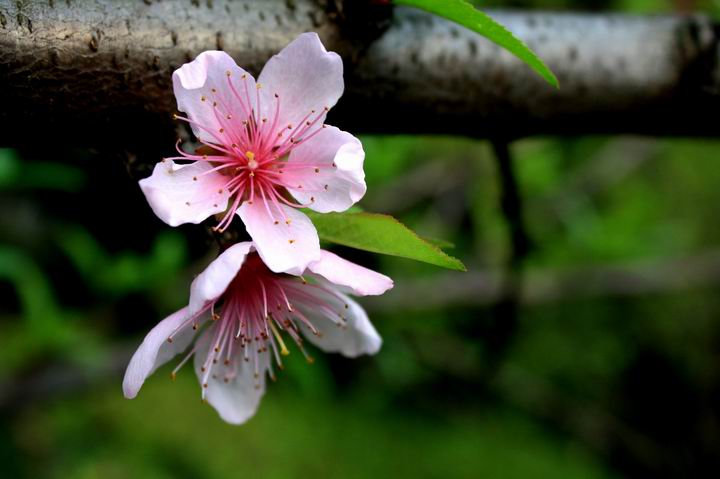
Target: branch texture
[98,72]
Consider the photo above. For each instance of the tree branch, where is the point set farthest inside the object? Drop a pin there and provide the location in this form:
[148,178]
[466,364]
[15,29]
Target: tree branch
[482,288]
[97,72]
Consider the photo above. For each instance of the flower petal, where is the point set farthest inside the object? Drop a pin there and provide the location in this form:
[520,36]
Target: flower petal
[357,337]
[362,281]
[202,89]
[305,76]
[237,399]
[334,179]
[284,237]
[155,350]
[211,283]
[185,193]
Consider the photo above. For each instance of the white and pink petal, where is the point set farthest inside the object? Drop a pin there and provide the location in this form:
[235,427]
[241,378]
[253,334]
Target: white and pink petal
[353,336]
[326,172]
[305,76]
[232,389]
[284,237]
[156,350]
[209,285]
[357,279]
[187,193]
[211,88]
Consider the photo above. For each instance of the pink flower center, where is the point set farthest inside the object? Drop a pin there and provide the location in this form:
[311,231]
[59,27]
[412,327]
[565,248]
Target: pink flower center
[252,151]
[258,308]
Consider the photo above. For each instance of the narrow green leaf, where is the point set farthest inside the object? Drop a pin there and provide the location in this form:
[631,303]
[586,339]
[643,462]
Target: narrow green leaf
[440,243]
[380,234]
[462,13]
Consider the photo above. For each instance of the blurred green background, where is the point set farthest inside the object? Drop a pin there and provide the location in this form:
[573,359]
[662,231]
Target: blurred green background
[606,363]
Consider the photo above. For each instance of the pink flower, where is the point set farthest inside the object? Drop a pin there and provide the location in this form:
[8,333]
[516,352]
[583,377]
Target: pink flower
[268,150]
[238,314]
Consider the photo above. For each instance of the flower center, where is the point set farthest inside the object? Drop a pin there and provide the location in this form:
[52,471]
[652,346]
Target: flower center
[252,163]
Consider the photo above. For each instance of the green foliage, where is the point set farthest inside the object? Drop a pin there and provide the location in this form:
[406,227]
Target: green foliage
[380,234]
[47,175]
[463,13]
[167,433]
[127,272]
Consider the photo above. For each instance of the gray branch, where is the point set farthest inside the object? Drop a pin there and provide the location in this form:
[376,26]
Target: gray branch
[97,72]
[484,288]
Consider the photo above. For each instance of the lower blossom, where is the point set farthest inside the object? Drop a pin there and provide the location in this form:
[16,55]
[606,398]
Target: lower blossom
[242,319]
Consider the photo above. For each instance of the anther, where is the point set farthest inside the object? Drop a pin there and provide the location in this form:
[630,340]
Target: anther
[213,90]
[228,73]
[291,241]
[202,98]
[317,170]
[194,178]
[326,187]
[169,340]
[187,203]
[222,130]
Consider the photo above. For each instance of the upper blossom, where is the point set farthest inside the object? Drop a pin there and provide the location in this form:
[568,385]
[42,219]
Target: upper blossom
[266,150]
[238,315]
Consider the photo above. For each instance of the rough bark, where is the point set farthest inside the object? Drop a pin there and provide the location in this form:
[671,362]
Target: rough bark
[97,72]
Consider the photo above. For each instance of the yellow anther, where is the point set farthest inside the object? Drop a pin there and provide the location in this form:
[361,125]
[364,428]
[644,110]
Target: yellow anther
[283,349]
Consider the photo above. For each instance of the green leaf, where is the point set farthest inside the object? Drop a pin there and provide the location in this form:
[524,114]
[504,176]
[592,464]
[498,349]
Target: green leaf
[440,243]
[380,234]
[462,13]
